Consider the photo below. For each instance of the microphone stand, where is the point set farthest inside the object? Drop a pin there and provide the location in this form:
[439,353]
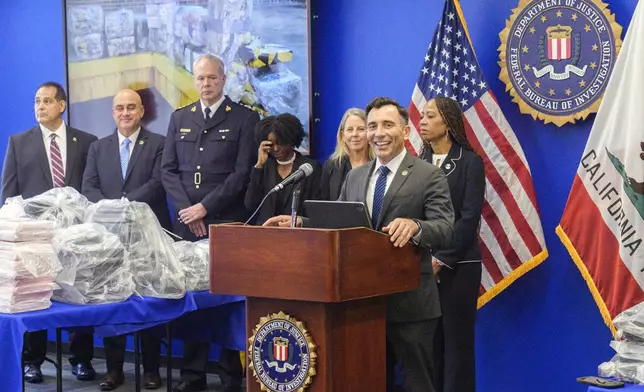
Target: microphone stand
[294,203]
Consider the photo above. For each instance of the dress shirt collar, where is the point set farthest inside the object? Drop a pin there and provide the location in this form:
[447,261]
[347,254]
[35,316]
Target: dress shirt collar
[61,132]
[133,137]
[213,108]
[393,165]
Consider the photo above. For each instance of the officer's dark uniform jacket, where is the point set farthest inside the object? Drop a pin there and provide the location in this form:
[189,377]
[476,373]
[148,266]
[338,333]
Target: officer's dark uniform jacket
[209,162]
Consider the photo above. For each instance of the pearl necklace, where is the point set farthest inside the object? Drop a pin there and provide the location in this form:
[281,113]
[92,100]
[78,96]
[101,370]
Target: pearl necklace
[284,163]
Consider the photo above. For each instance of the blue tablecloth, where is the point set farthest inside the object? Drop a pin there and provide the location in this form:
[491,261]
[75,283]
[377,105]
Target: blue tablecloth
[626,388]
[109,319]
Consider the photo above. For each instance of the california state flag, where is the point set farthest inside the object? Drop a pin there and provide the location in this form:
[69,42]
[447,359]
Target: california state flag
[603,223]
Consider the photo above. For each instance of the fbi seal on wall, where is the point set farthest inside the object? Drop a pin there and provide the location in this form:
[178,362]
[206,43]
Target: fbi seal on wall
[556,57]
[282,354]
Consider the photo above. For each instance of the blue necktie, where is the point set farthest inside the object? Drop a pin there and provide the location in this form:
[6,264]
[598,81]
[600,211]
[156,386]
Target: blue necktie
[379,195]
[125,156]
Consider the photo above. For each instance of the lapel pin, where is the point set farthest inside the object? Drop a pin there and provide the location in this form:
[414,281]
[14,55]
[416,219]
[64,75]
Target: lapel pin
[141,142]
[74,139]
[448,166]
[404,172]
[228,108]
[194,109]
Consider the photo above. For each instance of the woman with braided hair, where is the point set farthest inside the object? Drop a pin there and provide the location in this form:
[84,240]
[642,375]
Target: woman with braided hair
[457,268]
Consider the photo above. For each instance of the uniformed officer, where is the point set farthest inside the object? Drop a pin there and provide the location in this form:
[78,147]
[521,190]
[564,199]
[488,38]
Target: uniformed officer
[207,159]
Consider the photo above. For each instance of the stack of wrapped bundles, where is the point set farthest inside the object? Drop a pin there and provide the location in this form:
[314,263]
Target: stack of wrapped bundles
[628,362]
[119,31]
[190,24]
[160,15]
[142,32]
[27,271]
[278,88]
[95,266]
[28,263]
[64,206]
[229,23]
[85,31]
[156,269]
[195,258]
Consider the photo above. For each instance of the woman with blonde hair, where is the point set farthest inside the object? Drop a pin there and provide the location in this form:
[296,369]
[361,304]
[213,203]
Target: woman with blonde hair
[352,150]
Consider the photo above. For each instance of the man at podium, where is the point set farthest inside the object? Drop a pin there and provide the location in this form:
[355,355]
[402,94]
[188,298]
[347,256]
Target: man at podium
[408,199]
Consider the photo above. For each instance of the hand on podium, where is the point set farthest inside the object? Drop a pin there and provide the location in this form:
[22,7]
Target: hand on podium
[282,221]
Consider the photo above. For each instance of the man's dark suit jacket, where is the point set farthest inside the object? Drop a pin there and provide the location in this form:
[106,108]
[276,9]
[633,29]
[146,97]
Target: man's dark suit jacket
[103,178]
[333,175]
[466,178]
[209,162]
[26,169]
[419,191]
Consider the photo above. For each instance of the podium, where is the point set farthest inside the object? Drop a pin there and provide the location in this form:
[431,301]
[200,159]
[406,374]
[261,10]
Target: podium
[316,305]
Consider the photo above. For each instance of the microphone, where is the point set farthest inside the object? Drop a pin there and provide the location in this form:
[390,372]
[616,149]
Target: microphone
[303,171]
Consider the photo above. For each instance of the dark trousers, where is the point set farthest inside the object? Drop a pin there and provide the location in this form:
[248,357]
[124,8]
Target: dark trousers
[410,345]
[81,346]
[195,360]
[454,343]
[115,352]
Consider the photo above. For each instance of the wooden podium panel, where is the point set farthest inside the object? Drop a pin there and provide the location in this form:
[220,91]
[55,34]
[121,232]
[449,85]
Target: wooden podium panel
[350,339]
[318,294]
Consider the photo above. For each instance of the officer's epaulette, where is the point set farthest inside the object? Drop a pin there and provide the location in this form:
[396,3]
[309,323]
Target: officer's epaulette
[194,104]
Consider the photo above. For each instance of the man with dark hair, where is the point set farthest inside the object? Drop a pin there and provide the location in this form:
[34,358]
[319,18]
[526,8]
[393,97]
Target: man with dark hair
[207,159]
[408,199]
[49,155]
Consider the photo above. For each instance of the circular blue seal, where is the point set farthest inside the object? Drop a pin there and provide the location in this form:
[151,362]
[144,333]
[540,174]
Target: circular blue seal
[559,55]
[282,354]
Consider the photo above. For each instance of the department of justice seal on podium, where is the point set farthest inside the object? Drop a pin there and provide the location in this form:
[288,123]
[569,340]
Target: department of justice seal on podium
[282,354]
[556,57]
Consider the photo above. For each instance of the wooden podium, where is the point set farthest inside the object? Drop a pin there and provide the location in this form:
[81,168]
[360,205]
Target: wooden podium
[333,281]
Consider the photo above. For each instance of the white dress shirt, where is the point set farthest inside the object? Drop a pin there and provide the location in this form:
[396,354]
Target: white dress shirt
[393,166]
[213,108]
[133,137]
[61,139]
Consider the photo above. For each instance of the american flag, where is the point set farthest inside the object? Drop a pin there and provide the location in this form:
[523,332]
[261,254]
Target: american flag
[511,236]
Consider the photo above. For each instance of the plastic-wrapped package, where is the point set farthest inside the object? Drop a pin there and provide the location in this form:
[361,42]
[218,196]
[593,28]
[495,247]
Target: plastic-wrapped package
[156,269]
[64,206]
[119,24]
[13,208]
[27,272]
[142,32]
[195,258]
[623,370]
[632,315]
[194,22]
[95,261]
[28,259]
[84,20]
[120,46]
[88,47]
[160,15]
[277,88]
[229,23]
[20,230]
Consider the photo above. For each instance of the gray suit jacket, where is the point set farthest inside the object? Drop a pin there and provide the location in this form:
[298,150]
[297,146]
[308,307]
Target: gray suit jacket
[419,191]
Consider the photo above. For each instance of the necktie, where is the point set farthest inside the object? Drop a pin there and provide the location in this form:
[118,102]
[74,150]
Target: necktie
[379,194]
[207,116]
[125,156]
[57,171]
